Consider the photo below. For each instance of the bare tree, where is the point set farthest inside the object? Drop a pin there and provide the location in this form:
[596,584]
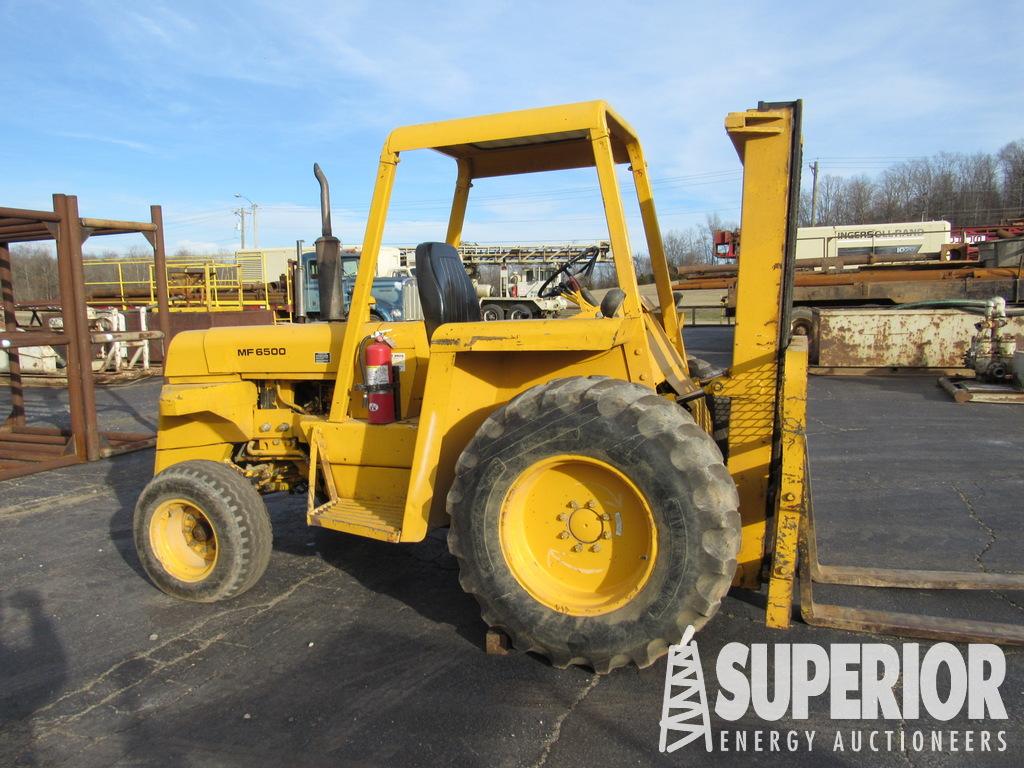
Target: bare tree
[964,189]
[642,266]
[34,272]
[1011,168]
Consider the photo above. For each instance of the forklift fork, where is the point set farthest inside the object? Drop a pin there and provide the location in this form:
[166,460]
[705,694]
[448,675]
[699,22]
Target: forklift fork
[796,549]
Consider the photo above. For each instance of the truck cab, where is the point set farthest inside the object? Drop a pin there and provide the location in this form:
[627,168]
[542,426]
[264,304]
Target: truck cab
[386,291]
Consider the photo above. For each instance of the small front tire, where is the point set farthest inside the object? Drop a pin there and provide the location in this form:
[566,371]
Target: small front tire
[202,532]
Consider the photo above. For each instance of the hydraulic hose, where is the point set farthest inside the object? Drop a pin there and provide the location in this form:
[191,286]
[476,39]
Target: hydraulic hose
[974,306]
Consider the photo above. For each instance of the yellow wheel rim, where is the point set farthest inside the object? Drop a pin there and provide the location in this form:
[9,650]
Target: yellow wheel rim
[578,535]
[183,540]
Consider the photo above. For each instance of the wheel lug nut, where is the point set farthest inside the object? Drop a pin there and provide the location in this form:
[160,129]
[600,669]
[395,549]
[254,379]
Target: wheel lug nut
[563,535]
[596,548]
[606,535]
[606,517]
[573,505]
[591,504]
[563,516]
[578,548]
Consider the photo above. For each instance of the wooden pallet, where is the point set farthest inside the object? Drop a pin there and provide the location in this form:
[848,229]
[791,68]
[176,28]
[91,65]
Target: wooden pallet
[965,390]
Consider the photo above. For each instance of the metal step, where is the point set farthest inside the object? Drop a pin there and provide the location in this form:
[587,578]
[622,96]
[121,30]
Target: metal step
[372,518]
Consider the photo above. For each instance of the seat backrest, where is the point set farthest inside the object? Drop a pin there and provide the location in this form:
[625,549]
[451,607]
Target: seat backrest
[446,292]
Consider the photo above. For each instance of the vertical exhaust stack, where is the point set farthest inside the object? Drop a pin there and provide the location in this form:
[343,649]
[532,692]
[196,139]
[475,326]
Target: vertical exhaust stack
[328,258]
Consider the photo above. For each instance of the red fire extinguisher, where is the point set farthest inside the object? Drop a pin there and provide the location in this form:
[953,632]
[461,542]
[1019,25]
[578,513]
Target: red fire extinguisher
[378,384]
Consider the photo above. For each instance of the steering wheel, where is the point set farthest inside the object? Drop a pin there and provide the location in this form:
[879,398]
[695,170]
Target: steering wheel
[580,265]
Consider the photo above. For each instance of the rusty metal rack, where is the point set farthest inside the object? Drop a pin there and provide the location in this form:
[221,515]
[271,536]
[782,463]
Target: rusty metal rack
[25,449]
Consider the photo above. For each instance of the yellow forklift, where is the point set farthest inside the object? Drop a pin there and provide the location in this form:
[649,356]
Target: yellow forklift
[590,509]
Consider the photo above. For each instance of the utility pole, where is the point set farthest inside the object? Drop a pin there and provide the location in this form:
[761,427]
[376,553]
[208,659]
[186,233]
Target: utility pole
[252,210]
[814,193]
[240,213]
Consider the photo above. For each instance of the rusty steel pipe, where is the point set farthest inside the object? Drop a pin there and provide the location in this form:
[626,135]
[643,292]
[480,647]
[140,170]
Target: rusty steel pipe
[21,436]
[120,226]
[66,280]
[839,261]
[9,472]
[9,340]
[13,233]
[29,430]
[29,238]
[82,340]
[20,452]
[124,442]
[163,303]
[29,215]
[102,337]
[128,437]
[9,222]
[54,339]
[28,450]
[17,414]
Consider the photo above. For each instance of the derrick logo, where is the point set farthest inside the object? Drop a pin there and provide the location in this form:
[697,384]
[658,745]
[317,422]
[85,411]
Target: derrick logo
[857,681]
[261,351]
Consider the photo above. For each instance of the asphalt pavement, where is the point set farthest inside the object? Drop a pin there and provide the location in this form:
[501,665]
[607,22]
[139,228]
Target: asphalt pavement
[355,652]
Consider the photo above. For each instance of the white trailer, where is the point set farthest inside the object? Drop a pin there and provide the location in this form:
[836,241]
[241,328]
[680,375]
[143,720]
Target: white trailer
[884,241]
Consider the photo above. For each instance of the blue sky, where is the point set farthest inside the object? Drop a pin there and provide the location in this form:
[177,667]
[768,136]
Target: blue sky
[186,103]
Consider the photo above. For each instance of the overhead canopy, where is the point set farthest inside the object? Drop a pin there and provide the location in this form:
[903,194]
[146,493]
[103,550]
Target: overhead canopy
[527,141]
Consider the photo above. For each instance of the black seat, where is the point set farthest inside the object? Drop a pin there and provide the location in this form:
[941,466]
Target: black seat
[446,292]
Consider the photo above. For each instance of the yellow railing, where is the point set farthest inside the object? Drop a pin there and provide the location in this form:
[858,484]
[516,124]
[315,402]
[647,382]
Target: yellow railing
[197,285]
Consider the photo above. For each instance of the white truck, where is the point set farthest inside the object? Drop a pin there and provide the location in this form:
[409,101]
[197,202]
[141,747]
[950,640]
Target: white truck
[517,297]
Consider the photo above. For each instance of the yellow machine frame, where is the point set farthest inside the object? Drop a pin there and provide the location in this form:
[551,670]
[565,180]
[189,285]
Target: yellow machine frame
[389,481]
[591,134]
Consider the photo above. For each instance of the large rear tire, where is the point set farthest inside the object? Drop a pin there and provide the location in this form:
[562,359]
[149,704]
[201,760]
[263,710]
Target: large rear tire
[202,532]
[594,521]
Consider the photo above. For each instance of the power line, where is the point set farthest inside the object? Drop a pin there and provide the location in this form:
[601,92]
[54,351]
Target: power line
[872,157]
[512,199]
[197,215]
[562,193]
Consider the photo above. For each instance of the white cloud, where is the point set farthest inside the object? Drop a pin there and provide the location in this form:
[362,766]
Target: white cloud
[128,143]
[243,96]
[197,247]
